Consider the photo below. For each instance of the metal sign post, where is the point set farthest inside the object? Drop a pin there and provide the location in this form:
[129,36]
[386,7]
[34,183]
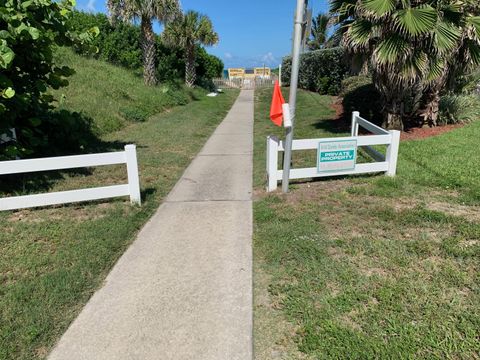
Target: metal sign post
[292,99]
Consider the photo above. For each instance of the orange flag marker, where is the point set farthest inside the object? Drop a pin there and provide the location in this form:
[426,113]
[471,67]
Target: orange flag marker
[276,112]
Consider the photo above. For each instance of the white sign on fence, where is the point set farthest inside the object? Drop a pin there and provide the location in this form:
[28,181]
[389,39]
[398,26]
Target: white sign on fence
[342,160]
[336,155]
[128,157]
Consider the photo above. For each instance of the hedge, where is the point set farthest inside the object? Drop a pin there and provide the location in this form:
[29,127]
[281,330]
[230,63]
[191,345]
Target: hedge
[120,45]
[321,71]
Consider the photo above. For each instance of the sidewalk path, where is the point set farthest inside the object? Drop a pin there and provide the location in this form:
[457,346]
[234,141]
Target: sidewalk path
[183,290]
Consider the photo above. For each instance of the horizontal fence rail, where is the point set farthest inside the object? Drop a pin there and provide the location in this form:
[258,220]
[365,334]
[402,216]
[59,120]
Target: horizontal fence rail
[383,163]
[128,157]
[247,84]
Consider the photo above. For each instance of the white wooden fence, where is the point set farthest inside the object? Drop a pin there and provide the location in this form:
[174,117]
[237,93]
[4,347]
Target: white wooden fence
[128,157]
[383,163]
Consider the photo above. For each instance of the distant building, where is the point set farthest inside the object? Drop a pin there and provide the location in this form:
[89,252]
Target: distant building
[242,73]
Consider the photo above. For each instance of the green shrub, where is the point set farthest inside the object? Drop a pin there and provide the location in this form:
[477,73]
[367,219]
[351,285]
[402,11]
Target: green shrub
[120,45]
[321,71]
[135,114]
[457,109]
[30,30]
[354,82]
[359,94]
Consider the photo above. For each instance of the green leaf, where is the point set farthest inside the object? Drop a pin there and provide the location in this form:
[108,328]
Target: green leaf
[416,21]
[6,55]
[8,93]
[4,34]
[34,33]
[475,22]
[360,32]
[415,65]
[474,51]
[35,121]
[94,30]
[379,7]
[446,36]
[391,49]
[436,70]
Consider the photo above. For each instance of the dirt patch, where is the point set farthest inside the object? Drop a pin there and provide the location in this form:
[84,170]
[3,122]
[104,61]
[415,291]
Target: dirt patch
[76,213]
[347,320]
[471,213]
[336,253]
[274,336]
[338,107]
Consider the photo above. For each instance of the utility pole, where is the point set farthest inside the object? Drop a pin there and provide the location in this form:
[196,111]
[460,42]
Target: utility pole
[292,99]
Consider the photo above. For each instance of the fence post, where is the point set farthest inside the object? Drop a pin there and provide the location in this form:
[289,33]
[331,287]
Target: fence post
[272,163]
[392,153]
[354,131]
[132,170]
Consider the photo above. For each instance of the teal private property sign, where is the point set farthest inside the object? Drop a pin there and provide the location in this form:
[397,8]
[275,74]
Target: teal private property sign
[336,155]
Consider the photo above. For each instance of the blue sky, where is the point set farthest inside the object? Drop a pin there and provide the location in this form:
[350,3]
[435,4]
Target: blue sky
[252,32]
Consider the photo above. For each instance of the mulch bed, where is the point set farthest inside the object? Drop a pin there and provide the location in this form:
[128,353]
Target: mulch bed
[411,134]
[422,133]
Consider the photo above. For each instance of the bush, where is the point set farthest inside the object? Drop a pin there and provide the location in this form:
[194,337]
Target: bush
[134,114]
[359,94]
[30,32]
[458,109]
[321,71]
[120,45]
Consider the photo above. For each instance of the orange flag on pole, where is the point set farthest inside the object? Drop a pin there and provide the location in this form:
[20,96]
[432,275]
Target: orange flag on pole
[276,112]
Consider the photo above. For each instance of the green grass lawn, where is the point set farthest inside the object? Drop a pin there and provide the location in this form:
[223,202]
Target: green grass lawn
[53,259]
[369,267]
[112,96]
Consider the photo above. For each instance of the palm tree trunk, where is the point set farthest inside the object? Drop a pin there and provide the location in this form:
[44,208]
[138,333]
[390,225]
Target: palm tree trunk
[431,108]
[148,50]
[393,115]
[190,71]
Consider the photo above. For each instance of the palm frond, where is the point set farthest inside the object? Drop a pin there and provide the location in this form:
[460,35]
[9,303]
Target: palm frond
[446,36]
[379,7]
[416,20]
[475,22]
[391,49]
[359,33]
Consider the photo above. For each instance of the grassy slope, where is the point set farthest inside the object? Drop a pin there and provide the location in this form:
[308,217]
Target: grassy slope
[111,95]
[371,267]
[53,259]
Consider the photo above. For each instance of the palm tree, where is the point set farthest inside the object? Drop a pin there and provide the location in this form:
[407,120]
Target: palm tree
[146,11]
[320,26]
[413,47]
[189,31]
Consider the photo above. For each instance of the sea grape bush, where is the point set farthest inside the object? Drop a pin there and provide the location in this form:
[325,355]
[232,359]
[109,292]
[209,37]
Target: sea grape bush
[29,32]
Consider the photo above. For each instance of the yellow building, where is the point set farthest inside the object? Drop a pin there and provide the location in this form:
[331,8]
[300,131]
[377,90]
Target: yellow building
[242,73]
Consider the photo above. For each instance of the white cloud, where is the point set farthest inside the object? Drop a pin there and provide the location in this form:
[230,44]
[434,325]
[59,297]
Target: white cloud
[269,58]
[91,5]
[228,55]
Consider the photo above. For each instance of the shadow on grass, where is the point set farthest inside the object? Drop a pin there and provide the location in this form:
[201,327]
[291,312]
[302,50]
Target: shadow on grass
[61,133]
[334,126]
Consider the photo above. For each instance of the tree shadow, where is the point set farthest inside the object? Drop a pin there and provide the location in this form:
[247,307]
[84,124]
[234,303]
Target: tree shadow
[334,126]
[63,133]
[366,100]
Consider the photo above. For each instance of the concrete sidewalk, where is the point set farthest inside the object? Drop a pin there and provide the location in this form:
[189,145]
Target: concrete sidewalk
[183,290]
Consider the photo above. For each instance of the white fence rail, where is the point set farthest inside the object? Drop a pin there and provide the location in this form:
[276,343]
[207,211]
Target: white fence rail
[128,157]
[384,163]
[246,84]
